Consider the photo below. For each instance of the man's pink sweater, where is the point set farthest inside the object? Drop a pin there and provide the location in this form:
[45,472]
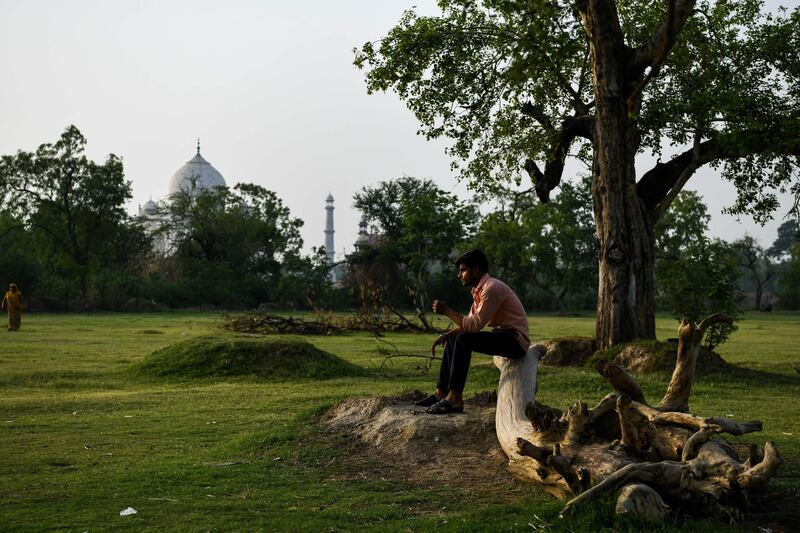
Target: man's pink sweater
[496,305]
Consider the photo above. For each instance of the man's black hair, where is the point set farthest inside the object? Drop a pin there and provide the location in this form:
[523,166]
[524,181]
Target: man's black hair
[474,258]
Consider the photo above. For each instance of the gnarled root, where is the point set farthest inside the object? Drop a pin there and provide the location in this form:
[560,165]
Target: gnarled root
[641,501]
[656,457]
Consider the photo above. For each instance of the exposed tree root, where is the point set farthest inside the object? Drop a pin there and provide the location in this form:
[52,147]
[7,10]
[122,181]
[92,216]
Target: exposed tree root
[657,458]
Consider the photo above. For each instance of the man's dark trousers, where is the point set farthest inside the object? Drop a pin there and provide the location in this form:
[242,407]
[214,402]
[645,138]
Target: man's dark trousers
[458,353]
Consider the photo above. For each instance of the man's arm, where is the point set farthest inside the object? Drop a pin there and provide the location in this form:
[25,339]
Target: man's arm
[440,307]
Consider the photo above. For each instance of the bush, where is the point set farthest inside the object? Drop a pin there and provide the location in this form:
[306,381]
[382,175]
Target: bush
[701,280]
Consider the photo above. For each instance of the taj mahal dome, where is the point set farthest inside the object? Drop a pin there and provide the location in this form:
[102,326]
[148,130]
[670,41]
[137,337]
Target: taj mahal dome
[195,176]
[198,175]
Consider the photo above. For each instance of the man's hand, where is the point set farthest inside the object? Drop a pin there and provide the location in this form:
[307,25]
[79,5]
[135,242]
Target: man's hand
[440,340]
[440,307]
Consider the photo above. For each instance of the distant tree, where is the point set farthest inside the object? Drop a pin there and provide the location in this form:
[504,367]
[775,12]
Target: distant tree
[546,248]
[305,280]
[789,280]
[524,85]
[418,226]
[785,251]
[684,225]
[73,206]
[788,237]
[18,263]
[703,279]
[756,263]
[235,239]
[696,276]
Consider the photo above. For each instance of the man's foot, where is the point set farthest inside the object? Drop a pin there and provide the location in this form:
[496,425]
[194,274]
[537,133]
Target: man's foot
[443,407]
[427,402]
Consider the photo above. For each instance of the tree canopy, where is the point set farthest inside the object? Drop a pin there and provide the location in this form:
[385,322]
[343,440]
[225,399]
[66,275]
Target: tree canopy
[547,252]
[417,225]
[510,83]
[74,207]
[523,85]
[230,237]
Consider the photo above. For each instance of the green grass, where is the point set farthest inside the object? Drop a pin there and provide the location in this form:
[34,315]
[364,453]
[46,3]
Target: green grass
[82,437]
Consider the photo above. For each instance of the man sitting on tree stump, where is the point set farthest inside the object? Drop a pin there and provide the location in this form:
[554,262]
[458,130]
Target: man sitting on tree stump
[495,305]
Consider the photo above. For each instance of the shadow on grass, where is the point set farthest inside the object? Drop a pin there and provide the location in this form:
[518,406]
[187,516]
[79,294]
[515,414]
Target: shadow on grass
[61,380]
[755,377]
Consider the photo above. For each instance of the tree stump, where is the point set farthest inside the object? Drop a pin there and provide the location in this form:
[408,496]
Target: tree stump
[658,459]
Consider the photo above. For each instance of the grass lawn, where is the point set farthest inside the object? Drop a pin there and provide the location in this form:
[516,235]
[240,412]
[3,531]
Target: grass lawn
[82,437]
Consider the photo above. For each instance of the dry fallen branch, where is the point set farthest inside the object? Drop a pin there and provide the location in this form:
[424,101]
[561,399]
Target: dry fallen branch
[322,324]
[391,352]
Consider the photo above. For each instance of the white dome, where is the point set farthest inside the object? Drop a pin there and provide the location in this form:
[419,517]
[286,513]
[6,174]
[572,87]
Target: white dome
[150,207]
[197,168]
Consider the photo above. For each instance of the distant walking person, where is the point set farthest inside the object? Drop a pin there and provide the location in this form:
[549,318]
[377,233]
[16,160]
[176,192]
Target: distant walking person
[13,300]
[495,305]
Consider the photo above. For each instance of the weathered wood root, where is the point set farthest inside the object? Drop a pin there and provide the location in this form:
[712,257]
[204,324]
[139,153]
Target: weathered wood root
[659,458]
[711,475]
[620,379]
[680,386]
[641,501]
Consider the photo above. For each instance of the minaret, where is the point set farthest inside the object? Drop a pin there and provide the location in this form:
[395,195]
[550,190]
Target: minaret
[329,227]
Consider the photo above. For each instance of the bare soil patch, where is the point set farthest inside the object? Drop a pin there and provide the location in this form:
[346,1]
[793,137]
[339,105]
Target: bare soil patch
[396,436]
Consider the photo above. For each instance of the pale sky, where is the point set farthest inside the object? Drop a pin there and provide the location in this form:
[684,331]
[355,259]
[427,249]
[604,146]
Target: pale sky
[268,87]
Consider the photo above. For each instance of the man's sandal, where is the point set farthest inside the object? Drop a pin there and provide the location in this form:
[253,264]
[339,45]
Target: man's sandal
[443,407]
[427,402]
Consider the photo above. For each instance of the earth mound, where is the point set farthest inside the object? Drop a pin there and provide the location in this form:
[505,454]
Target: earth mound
[640,356]
[230,355]
[568,351]
[656,356]
[425,447]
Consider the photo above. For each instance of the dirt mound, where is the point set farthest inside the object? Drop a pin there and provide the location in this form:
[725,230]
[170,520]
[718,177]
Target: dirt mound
[426,447]
[568,351]
[232,355]
[657,356]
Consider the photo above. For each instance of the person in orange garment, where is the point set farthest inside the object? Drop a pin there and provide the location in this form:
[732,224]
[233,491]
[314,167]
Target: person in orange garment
[13,300]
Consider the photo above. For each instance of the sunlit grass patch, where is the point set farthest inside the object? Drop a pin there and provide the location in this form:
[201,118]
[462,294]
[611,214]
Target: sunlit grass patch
[83,437]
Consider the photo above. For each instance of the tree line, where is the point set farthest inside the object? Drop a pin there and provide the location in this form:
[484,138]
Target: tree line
[67,239]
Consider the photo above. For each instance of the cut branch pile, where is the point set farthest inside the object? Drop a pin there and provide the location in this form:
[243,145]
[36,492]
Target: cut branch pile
[264,323]
[658,459]
[322,324]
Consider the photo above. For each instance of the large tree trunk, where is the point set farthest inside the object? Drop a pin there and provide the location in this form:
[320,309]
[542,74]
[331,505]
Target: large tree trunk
[626,284]
[659,458]
[625,307]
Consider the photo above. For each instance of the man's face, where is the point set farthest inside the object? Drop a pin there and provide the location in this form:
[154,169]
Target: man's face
[468,276]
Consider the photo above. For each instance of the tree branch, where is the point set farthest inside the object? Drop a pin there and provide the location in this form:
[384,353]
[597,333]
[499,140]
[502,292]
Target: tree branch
[537,113]
[657,182]
[571,127]
[688,171]
[654,52]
